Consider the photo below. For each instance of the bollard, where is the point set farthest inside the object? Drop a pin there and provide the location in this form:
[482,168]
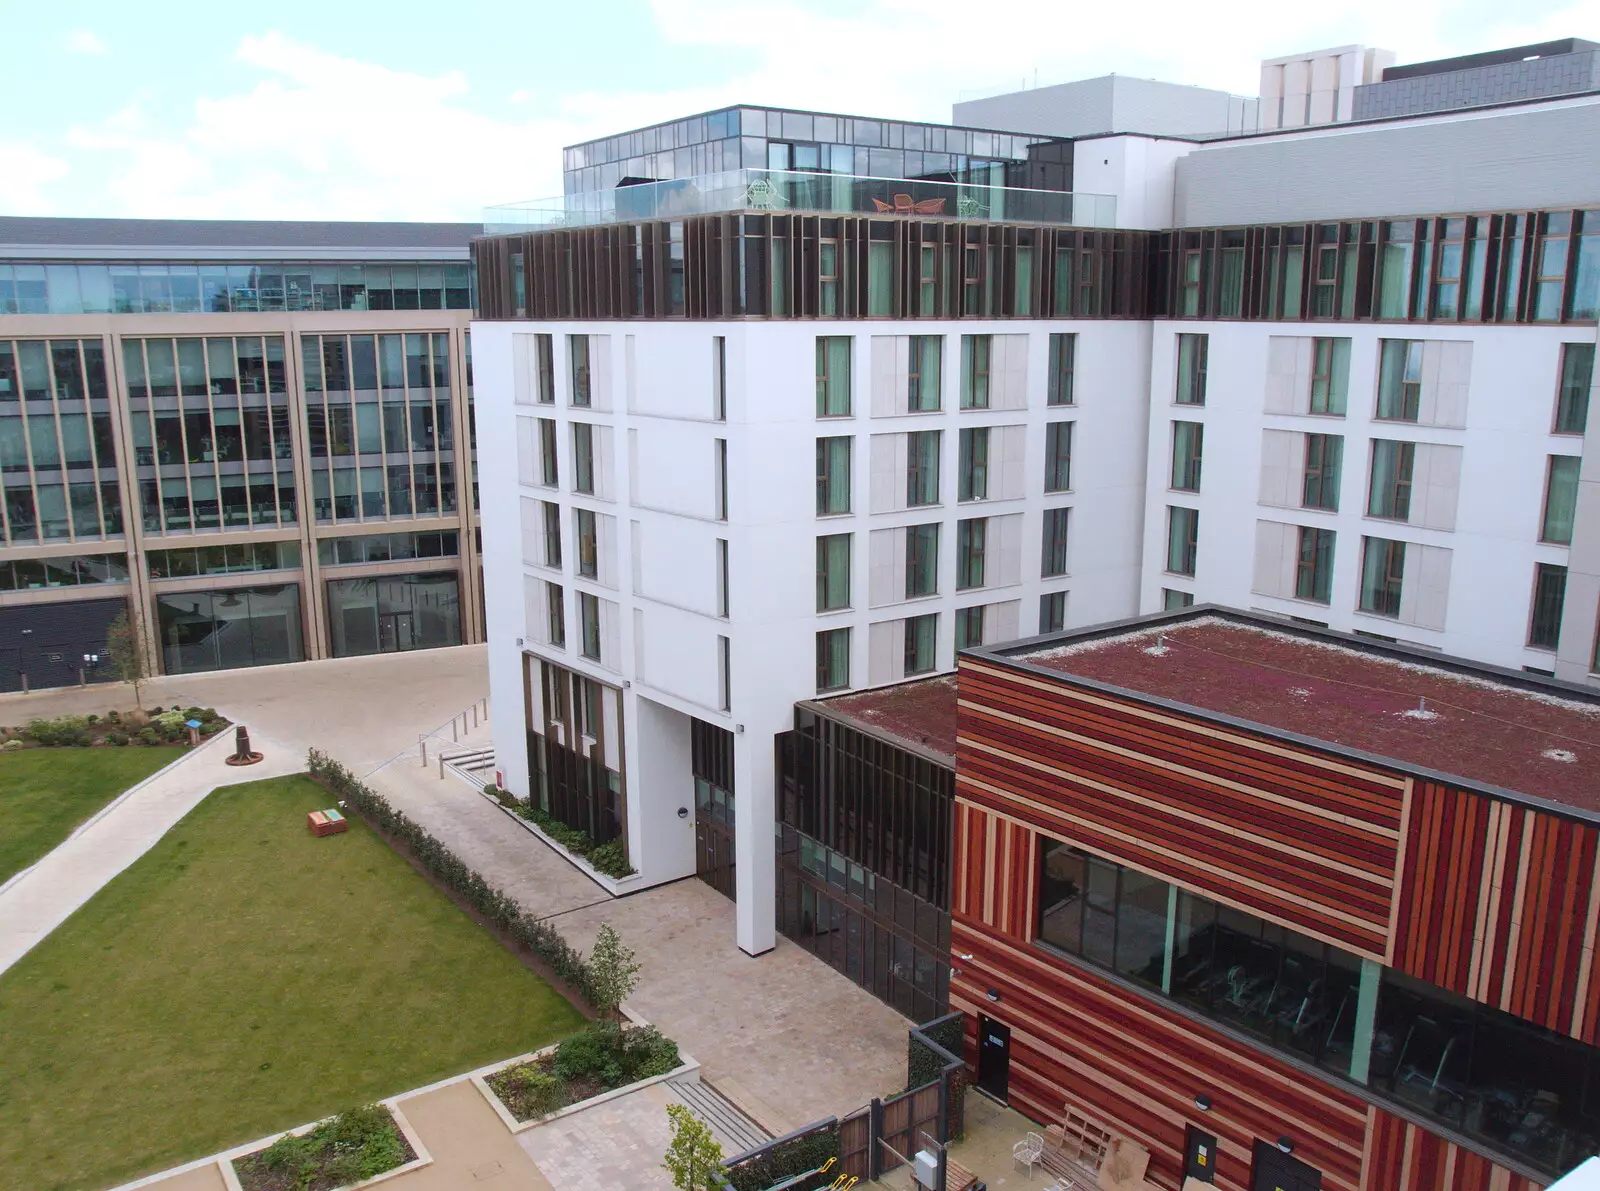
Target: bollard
[423,742]
[474,715]
[81,680]
[441,767]
[453,736]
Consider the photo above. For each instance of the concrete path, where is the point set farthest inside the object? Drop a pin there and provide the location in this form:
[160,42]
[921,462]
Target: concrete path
[468,1144]
[362,710]
[791,1039]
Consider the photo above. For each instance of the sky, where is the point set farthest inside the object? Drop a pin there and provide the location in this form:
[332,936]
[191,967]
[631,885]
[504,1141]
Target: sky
[346,109]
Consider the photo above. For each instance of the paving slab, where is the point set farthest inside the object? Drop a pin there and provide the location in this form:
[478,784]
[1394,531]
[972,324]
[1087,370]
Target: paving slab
[469,1146]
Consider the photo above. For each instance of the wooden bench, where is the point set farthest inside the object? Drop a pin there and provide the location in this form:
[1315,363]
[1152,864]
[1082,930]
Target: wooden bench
[328,822]
[956,1176]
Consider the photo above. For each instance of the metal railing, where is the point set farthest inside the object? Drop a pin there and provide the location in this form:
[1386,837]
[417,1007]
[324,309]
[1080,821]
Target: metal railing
[457,727]
[790,190]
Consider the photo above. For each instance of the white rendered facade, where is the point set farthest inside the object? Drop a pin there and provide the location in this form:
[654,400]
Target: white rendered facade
[677,642]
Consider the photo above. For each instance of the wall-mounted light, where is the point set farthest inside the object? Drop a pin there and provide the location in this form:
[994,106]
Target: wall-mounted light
[683,812]
[1203,1102]
[968,956]
[519,641]
[626,685]
[993,994]
[738,727]
[1286,1145]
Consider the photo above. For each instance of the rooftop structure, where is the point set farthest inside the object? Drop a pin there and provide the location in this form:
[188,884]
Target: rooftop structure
[1481,725]
[920,714]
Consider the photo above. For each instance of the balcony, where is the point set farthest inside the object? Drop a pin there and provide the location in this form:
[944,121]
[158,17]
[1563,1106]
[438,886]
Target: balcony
[787,191]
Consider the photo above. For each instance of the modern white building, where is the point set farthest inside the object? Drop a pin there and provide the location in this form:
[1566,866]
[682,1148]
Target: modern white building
[789,427]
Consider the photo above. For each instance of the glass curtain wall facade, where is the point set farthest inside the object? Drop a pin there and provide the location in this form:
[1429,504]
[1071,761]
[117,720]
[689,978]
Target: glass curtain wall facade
[583,789]
[221,630]
[58,464]
[174,287]
[864,848]
[394,613]
[213,448]
[379,428]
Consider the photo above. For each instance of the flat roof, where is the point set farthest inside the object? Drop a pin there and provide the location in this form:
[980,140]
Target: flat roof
[919,714]
[75,236]
[1480,725]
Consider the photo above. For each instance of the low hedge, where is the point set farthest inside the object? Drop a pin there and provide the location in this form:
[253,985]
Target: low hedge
[610,858]
[502,910]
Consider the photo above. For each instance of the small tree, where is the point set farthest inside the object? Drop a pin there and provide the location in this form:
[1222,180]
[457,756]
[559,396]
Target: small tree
[694,1157]
[126,648]
[613,972]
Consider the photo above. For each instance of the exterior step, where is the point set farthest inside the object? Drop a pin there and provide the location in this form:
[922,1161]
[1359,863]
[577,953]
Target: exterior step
[732,1127]
[476,768]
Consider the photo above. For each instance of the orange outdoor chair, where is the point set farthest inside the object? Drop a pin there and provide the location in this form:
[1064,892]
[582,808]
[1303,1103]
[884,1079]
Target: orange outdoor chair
[933,206]
[882,206]
[903,204]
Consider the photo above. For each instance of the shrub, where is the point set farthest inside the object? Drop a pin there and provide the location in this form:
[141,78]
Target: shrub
[208,714]
[211,728]
[538,936]
[117,738]
[167,721]
[113,717]
[92,719]
[611,859]
[596,1052]
[63,731]
[154,711]
[648,1053]
[355,1145]
[535,1092]
[11,745]
[149,736]
[194,713]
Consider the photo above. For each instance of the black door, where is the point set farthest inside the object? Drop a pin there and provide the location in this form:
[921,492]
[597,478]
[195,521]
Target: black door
[994,1058]
[1200,1155]
[713,853]
[1273,1170]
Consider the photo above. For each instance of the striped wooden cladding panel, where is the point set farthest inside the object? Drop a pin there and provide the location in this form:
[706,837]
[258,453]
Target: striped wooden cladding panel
[1301,838]
[994,871]
[1499,903]
[1402,1156]
[1135,1066]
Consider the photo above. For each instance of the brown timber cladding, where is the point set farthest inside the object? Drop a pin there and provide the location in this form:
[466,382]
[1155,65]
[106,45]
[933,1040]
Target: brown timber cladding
[1500,903]
[725,266]
[1400,1156]
[1136,1066]
[1305,839]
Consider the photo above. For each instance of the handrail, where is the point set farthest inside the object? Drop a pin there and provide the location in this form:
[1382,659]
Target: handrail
[457,726]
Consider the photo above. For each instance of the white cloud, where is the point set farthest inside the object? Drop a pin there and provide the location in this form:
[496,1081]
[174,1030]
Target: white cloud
[86,41]
[27,171]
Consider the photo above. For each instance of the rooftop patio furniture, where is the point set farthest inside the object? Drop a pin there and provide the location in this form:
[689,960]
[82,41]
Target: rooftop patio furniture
[903,204]
[886,208]
[762,195]
[969,208]
[1029,1152]
[928,206]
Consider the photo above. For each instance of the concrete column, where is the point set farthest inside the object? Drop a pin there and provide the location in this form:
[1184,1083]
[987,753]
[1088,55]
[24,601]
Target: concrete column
[755,886]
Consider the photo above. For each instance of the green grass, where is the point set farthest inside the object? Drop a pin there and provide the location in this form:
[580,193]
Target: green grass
[241,978]
[45,793]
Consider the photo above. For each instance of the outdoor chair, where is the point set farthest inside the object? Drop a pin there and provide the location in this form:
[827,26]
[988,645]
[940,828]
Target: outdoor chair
[1029,1151]
[903,204]
[882,206]
[932,206]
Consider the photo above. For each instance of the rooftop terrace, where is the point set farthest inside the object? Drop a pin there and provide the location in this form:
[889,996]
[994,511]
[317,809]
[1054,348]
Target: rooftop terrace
[1486,726]
[785,191]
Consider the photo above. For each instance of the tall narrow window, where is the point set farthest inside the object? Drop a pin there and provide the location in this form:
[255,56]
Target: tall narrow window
[922,373]
[1448,262]
[719,377]
[969,627]
[720,467]
[1053,612]
[549,469]
[972,537]
[583,458]
[922,644]
[833,476]
[974,479]
[544,350]
[722,578]
[578,347]
[1230,278]
[828,278]
[1549,598]
[975,351]
[1324,460]
[833,376]
[1189,285]
[1560,499]
[1390,494]
[1313,577]
[1330,376]
[1400,380]
[1183,536]
[1058,456]
[1192,351]
[725,671]
[1188,440]
[833,572]
[589,614]
[922,467]
[1054,561]
[1577,378]
[1551,282]
[1585,300]
[1063,364]
[555,606]
[1383,568]
[1394,274]
[833,659]
[588,544]
[552,534]
[922,561]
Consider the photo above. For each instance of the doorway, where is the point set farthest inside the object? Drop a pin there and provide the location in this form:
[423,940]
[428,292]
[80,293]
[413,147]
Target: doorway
[1199,1155]
[994,1059]
[394,632]
[1273,1170]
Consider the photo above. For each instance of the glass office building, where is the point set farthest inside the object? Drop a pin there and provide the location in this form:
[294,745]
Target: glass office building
[209,472]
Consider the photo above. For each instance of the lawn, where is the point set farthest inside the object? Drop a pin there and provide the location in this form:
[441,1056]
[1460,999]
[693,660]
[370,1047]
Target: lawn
[45,793]
[240,978]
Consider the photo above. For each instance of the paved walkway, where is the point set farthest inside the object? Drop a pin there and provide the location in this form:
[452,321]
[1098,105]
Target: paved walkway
[362,710]
[784,1034]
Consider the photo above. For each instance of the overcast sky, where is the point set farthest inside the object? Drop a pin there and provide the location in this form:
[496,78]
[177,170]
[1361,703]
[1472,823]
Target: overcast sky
[343,109]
